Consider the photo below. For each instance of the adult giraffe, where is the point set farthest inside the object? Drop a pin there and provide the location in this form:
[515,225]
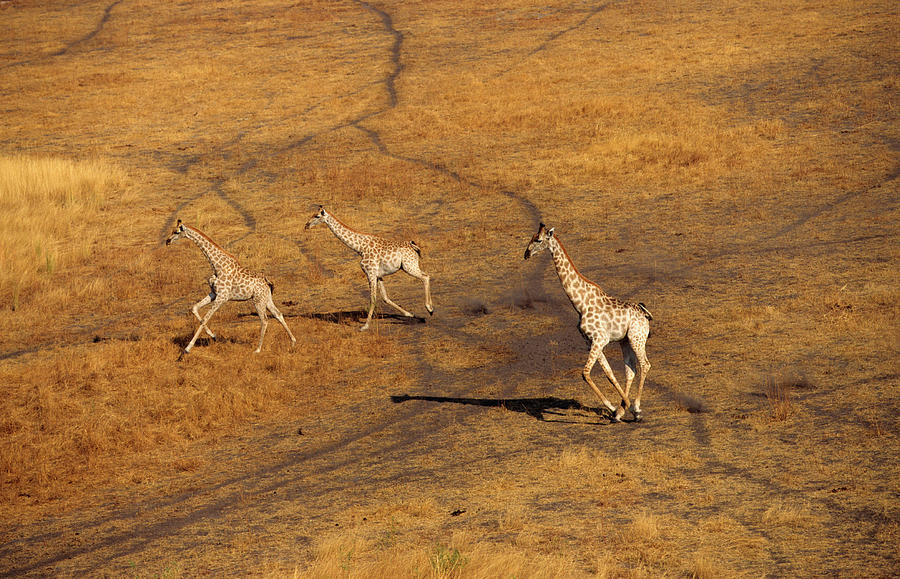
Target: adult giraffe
[604,319]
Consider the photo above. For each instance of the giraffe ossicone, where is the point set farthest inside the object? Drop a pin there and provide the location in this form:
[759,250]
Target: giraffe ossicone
[379,258]
[230,281]
[604,319]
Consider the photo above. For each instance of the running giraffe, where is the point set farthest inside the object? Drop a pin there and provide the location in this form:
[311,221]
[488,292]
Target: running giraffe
[229,281]
[380,257]
[604,319]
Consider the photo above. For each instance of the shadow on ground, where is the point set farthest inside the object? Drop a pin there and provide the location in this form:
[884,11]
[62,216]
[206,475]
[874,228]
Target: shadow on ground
[534,407]
[346,316]
[183,340]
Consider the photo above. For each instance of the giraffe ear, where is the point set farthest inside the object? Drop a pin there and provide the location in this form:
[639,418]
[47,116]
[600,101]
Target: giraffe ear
[550,232]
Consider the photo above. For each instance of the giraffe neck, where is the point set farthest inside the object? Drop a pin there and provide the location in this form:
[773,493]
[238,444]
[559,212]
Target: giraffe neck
[576,286]
[219,259]
[352,239]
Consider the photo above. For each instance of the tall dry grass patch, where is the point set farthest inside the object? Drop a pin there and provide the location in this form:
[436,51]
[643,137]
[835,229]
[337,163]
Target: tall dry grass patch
[51,209]
[778,394]
[460,556]
[99,413]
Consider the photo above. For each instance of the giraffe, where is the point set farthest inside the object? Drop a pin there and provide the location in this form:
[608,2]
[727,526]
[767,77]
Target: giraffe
[380,257]
[604,319]
[230,281]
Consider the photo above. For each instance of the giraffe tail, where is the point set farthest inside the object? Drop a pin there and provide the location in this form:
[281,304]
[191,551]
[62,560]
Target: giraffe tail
[647,313]
[271,286]
[416,247]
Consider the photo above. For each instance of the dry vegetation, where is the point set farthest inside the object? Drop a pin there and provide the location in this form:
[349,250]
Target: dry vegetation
[733,165]
[50,208]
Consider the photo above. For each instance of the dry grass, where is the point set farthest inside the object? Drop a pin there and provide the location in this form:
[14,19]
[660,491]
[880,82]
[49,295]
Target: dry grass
[99,412]
[52,211]
[787,515]
[732,166]
[778,395]
[705,568]
[465,557]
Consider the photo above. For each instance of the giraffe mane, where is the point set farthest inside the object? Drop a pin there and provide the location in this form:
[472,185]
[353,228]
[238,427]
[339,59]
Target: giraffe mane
[345,226]
[207,238]
[574,267]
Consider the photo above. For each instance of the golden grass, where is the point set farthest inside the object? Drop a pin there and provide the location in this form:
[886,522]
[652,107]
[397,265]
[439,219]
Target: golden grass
[52,211]
[464,557]
[98,408]
[778,394]
[784,514]
[705,568]
[644,528]
[725,164]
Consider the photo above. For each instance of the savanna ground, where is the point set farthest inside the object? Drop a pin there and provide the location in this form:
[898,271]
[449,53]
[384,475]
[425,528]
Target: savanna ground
[732,165]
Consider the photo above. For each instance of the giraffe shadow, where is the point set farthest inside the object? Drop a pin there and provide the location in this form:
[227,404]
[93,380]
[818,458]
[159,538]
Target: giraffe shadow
[347,316]
[183,341]
[546,409]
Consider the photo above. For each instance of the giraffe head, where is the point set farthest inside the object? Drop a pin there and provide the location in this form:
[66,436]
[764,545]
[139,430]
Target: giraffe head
[316,219]
[178,233]
[539,241]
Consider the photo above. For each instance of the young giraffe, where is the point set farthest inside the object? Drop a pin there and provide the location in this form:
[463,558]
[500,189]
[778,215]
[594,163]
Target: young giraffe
[230,281]
[380,257]
[604,319]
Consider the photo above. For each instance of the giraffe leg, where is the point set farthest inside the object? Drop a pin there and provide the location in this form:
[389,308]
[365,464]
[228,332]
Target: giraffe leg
[277,315]
[639,345]
[388,300]
[263,323]
[413,270]
[629,357]
[596,350]
[196,310]
[217,303]
[604,363]
[373,288]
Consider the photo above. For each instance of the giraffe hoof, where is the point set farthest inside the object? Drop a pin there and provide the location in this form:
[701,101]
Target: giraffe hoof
[614,418]
[181,355]
[638,417]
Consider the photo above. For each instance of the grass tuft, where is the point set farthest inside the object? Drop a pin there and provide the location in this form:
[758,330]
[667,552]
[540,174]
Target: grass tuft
[778,394]
[705,568]
[644,527]
[447,562]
